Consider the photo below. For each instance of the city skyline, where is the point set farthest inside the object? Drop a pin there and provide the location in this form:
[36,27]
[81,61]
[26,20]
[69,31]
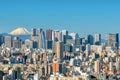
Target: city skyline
[74,16]
[59,40]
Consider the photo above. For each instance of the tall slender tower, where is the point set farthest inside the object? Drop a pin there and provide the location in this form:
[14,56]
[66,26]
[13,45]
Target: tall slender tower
[49,35]
[42,41]
[48,39]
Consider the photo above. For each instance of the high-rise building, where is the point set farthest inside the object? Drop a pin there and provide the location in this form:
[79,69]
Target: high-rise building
[64,35]
[48,44]
[97,66]
[98,39]
[41,37]
[59,50]
[113,40]
[77,43]
[53,36]
[68,48]
[49,39]
[58,35]
[28,43]
[82,41]
[88,49]
[90,39]
[34,38]
[1,40]
[54,47]
[35,44]
[49,35]
[17,43]
[33,32]
[8,41]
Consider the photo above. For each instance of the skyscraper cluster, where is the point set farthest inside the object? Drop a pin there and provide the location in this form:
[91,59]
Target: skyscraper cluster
[59,55]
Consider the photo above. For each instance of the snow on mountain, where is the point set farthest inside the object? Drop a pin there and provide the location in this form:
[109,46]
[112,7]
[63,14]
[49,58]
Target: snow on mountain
[20,31]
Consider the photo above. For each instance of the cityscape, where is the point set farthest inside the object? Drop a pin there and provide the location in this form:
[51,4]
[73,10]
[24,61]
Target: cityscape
[58,55]
[59,39]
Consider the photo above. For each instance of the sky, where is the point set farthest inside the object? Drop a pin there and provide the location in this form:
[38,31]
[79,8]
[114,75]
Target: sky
[81,16]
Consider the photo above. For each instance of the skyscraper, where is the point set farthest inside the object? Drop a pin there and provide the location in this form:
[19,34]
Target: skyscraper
[90,39]
[41,38]
[48,44]
[28,43]
[1,40]
[59,50]
[113,40]
[88,50]
[58,35]
[64,35]
[49,39]
[17,43]
[34,38]
[33,32]
[97,39]
[49,35]
[8,41]
[77,43]
[53,36]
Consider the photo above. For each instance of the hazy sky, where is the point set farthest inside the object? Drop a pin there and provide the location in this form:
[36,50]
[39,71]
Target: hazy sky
[82,16]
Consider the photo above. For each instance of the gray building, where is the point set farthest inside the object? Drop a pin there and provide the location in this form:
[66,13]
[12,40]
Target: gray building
[8,41]
[113,40]
[17,43]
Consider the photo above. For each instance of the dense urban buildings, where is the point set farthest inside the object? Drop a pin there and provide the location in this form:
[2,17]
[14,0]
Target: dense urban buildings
[58,55]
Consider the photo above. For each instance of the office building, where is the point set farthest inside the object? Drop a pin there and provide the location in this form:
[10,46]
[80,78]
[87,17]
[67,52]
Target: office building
[64,35]
[88,50]
[17,43]
[33,32]
[59,50]
[77,43]
[97,39]
[113,40]
[49,35]
[1,40]
[28,43]
[49,44]
[49,39]
[8,41]
[90,39]
[41,38]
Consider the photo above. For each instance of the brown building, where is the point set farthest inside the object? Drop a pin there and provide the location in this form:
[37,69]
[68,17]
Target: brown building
[49,35]
[59,50]
[55,67]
